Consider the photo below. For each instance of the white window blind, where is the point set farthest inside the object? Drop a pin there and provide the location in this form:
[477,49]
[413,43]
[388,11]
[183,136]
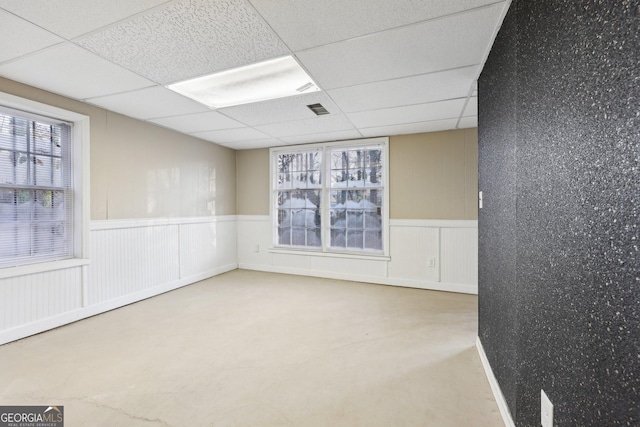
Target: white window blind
[36,194]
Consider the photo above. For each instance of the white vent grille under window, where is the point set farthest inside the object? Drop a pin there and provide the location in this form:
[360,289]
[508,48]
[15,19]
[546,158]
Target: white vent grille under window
[36,197]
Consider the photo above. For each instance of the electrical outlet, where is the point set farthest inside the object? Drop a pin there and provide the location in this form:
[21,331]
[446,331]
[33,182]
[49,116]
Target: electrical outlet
[432,262]
[257,249]
[546,410]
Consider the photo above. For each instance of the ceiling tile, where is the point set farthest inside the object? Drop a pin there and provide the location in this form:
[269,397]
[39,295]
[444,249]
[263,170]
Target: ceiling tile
[468,122]
[472,107]
[280,110]
[322,137]
[71,18]
[432,126]
[20,37]
[227,136]
[307,23]
[408,114]
[415,49]
[89,76]
[149,103]
[200,122]
[318,124]
[188,39]
[420,89]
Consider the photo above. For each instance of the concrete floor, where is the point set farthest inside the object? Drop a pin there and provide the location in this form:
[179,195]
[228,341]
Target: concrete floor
[256,349]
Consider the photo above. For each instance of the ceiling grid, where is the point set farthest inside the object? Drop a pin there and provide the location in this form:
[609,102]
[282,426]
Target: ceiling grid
[383,68]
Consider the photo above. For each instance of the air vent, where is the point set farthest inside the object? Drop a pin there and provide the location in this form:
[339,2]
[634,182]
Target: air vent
[318,109]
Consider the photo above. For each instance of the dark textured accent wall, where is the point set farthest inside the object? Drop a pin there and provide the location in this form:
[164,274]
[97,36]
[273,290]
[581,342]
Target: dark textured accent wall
[559,167]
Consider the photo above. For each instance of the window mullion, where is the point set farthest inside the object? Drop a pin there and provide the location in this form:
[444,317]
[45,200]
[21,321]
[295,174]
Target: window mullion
[14,140]
[51,151]
[30,181]
[30,136]
[326,218]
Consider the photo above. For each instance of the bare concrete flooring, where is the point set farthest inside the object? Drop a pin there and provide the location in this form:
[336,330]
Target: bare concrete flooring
[256,349]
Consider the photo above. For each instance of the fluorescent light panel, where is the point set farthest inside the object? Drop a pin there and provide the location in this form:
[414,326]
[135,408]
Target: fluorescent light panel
[272,79]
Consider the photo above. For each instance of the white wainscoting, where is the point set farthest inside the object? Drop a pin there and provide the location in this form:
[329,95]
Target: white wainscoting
[130,260]
[425,254]
[29,298]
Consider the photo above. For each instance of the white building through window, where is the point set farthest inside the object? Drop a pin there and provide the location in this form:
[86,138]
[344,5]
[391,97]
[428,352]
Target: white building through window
[331,197]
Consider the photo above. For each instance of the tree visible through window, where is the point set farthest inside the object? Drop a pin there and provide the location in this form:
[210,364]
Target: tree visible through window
[356,198]
[330,197]
[35,190]
[299,199]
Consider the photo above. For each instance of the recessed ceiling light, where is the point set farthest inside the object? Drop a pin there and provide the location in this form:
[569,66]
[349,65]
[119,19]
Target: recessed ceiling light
[272,79]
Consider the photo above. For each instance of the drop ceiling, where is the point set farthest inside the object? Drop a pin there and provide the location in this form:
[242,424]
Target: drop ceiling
[384,67]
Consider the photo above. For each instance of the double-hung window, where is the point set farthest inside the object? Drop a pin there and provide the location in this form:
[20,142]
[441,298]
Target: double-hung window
[331,197]
[43,200]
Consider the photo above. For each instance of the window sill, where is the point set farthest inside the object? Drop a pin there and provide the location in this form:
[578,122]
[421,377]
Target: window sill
[369,257]
[42,267]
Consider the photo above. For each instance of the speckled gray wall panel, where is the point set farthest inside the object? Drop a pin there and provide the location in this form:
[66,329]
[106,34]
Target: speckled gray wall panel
[497,242]
[560,95]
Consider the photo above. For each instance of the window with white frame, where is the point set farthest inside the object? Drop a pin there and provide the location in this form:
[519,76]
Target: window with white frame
[36,188]
[331,197]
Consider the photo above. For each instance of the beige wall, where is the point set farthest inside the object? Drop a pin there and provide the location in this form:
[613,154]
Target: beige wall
[147,171]
[252,169]
[432,176]
[139,170]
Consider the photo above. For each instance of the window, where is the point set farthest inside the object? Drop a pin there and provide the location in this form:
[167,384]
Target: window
[42,197]
[35,189]
[331,197]
[299,198]
[357,192]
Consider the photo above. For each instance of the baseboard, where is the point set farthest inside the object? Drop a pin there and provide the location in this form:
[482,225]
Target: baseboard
[388,281]
[43,325]
[495,387]
[461,288]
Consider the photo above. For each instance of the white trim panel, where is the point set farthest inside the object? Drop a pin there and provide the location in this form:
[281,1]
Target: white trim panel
[459,255]
[379,280]
[424,254]
[207,246]
[435,223]
[30,298]
[131,260]
[66,317]
[495,387]
[41,267]
[113,224]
